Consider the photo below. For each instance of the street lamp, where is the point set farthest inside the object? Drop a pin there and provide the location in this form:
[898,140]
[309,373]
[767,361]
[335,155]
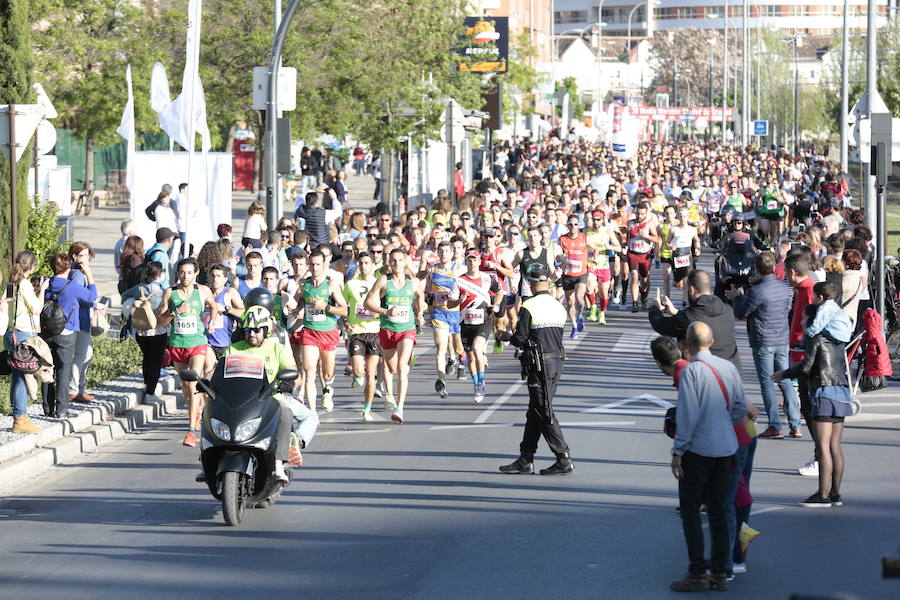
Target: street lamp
[650,5]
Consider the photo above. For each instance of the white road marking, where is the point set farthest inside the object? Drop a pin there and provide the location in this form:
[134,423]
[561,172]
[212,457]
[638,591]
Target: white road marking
[879,404]
[754,513]
[633,344]
[867,416]
[595,423]
[564,424]
[512,389]
[480,426]
[353,431]
[615,407]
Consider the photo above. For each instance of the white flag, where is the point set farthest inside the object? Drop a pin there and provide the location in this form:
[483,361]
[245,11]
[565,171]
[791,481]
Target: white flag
[159,89]
[126,130]
[176,119]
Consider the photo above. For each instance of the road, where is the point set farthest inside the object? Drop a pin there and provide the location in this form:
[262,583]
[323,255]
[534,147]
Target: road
[419,511]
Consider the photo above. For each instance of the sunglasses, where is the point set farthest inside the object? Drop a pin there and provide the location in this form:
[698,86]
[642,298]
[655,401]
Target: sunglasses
[253,329]
[514,233]
[377,251]
[285,237]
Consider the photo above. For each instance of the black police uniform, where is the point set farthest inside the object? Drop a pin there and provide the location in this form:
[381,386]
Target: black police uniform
[541,320]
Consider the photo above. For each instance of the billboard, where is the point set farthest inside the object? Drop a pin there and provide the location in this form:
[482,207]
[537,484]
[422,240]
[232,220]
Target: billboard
[485,44]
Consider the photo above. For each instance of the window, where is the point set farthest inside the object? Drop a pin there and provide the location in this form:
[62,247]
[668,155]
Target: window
[564,17]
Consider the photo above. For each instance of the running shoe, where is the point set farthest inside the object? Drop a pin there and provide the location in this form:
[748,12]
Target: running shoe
[327,401]
[574,334]
[498,347]
[358,381]
[451,368]
[441,388]
[579,323]
[295,459]
[412,360]
[367,414]
[739,568]
[378,393]
[479,393]
[795,433]
[389,402]
[836,499]
[601,317]
[190,439]
[592,314]
[817,501]
[810,469]
[280,475]
[617,297]
[397,416]
[634,307]
[348,370]
[462,372]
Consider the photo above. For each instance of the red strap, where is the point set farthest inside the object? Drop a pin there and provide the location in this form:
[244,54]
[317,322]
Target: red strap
[719,380]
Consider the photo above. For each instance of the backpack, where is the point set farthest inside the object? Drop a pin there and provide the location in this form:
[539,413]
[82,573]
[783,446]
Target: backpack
[150,211]
[53,318]
[143,317]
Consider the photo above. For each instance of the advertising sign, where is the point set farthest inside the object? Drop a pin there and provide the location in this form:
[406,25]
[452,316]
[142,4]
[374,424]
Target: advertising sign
[485,44]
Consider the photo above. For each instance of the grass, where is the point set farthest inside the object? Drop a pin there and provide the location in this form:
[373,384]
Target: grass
[893,230]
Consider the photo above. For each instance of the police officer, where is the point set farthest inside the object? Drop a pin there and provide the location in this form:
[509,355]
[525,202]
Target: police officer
[539,339]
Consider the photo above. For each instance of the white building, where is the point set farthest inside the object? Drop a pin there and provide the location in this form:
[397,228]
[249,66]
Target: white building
[811,17]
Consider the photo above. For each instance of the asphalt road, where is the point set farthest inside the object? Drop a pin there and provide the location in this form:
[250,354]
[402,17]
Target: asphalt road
[420,510]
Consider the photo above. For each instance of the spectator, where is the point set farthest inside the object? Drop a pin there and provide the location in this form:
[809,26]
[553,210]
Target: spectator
[702,306]
[703,456]
[131,259]
[80,254]
[26,324]
[128,229]
[834,273]
[159,252]
[223,230]
[797,274]
[314,216]
[339,185]
[855,280]
[152,342]
[209,256]
[166,217]
[308,170]
[826,379]
[179,205]
[764,306]
[71,299]
[668,357]
[254,225]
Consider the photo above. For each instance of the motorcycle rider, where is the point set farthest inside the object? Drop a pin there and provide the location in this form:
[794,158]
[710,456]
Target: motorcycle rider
[257,325]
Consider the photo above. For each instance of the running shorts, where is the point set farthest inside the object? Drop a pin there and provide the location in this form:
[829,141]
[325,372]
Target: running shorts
[389,339]
[442,318]
[364,344]
[326,341]
[639,263]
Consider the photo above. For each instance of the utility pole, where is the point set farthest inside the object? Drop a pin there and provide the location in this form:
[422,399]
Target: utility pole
[796,100]
[845,101]
[725,71]
[745,73]
[869,198]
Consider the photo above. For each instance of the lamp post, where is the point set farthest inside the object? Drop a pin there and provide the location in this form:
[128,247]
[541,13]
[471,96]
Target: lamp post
[600,25]
[724,70]
[650,5]
[845,104]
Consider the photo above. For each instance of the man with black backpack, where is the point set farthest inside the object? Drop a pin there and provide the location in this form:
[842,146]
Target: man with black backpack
[159,252]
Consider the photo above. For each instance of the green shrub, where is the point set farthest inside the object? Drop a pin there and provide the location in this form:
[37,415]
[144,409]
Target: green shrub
[44,233]
[111,359]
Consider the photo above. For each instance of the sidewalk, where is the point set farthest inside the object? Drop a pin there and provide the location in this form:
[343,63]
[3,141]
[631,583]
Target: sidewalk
[101,228]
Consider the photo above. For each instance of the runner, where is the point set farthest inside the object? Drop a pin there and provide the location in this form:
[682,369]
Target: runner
[254,263]
[182,306]
[663,251]
[575,273]
[231,308]
[443,297]
[683,242]
[480,298]
[363,327]
[641,240]
[322,302]
[398,300]
[496,262]
[603,246]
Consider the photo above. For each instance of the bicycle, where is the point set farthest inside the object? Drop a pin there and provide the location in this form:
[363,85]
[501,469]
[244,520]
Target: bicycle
[85,201]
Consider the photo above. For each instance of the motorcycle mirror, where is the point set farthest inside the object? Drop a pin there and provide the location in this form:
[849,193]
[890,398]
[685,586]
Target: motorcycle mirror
[188,375]
[288,375]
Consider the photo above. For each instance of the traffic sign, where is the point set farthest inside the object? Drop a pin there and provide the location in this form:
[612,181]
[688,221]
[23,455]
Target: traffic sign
[760,128]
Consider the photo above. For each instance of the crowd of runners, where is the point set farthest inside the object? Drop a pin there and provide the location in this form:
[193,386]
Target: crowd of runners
[599,224]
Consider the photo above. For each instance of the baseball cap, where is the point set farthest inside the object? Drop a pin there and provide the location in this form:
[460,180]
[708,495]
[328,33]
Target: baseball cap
[537,272]
[473,254]
[439,218]
[164,233]
[598,214]
[488,232]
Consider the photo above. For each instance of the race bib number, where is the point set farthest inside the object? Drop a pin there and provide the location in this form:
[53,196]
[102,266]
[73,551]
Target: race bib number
[772,205]
[573,266]
[244,366]
[401,314]
[441,298]
[473,316]
[315,315]
[185,325]
[682,261]
[363,313]
[639,246]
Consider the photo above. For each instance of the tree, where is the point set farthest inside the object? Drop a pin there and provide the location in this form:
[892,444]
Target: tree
[569,85]
[689,60]
[81,62]
[15,87]
[521,78]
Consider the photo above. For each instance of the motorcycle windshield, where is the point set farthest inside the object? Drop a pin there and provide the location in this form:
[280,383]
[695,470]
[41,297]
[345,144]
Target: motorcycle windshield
[236,382]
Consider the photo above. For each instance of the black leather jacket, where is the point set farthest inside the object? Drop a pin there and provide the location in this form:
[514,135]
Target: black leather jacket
[823,364]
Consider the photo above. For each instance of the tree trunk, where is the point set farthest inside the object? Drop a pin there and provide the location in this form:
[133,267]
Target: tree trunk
[89,163]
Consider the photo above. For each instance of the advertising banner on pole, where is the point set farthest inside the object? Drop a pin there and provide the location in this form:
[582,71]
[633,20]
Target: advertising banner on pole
[485,45]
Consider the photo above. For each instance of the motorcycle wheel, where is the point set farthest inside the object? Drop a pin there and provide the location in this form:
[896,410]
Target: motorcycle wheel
[233,504]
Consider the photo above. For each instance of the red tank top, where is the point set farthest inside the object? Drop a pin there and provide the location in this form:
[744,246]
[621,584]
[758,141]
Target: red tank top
[576,254]
[493,257]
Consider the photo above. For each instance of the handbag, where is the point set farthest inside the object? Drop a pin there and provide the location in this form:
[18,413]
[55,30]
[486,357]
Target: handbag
[99,322]
[23,359]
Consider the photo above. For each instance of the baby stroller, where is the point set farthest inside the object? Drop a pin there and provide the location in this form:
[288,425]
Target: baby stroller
[868,360]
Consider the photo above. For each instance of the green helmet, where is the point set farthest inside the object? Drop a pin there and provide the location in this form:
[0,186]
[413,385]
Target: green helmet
[257,317]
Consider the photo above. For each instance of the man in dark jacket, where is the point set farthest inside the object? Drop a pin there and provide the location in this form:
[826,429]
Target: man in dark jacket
[765,307]
[703,307]
[314,215]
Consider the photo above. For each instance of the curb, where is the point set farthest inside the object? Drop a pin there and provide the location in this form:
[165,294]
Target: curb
[24,458]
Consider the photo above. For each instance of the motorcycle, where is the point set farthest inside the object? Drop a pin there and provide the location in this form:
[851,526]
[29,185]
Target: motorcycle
[238,434]
[734,266]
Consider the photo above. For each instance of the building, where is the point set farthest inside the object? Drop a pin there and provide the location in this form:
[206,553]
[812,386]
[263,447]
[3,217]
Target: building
[805,17]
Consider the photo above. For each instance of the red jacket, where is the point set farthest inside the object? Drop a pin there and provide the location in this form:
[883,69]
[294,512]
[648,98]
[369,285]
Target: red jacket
[878,360]
[803,297]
